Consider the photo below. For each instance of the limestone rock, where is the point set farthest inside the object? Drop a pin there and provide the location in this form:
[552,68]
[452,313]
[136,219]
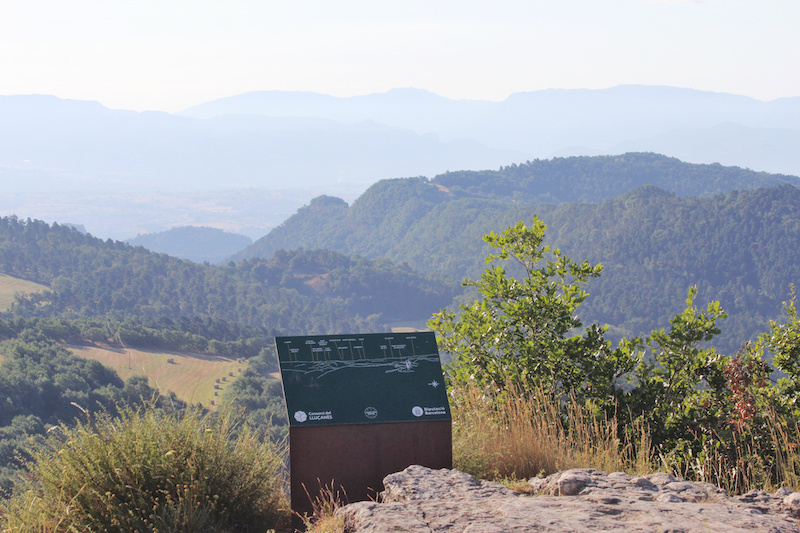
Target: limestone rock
[581,500]
[420,483]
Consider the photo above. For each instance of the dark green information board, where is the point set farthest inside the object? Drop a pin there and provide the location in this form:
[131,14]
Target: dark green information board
[361,379]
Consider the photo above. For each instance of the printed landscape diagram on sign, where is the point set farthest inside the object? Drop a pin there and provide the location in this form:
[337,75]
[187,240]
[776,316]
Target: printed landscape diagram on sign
[361,379]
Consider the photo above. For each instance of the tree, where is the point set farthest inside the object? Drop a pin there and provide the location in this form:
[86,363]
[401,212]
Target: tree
[783,340]
[678,379]
[520,332]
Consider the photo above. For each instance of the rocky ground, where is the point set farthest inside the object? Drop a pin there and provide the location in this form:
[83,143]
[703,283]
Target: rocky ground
[419,499]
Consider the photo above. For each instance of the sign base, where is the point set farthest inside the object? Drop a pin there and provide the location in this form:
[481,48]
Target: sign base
[352,460]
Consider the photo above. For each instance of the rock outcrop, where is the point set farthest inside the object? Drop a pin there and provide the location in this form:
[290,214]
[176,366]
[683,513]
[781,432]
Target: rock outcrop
[419,499]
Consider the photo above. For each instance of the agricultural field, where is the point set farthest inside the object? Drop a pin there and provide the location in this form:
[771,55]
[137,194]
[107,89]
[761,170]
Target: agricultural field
[10,286]
[190,376]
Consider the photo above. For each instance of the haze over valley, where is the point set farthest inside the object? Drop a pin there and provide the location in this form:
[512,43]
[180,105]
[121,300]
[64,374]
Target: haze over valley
[246,163]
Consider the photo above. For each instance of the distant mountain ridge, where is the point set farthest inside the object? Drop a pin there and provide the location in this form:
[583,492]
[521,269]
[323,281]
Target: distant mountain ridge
[315,144]
[415,109]
[556,121]
[68,145]
[424,111]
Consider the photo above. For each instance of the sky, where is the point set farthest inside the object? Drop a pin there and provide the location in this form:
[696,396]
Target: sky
[172,54]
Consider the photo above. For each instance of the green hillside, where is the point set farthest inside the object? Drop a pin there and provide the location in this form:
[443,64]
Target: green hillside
[391,259]
[593,179]
[738,247]
[295,292]
[393,210]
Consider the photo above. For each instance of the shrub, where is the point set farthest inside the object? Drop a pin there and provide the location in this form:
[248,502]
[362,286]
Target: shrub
[523,333]
[151,471]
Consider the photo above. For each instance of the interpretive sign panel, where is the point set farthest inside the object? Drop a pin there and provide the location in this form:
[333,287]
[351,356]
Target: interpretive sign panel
[361,379]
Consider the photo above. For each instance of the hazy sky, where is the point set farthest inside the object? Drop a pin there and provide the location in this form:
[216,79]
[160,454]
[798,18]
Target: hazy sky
[171,54]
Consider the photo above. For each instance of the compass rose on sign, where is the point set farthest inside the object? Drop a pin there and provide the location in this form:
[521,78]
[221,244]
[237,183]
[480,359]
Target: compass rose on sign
[434,384]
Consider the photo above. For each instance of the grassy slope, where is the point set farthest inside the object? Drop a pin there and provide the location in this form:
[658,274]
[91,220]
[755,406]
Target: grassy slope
[9,286]
[191,376]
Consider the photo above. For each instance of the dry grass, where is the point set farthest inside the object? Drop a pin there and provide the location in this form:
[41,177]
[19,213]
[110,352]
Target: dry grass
[10,286]
[517,437]
[191,376]
[324,519]
[326,524]
[524,436]
[788,435]
[744,462]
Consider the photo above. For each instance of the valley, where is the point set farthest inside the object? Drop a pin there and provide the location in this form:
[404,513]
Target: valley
[102,325]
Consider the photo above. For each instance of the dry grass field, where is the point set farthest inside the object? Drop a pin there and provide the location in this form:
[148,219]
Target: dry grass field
[190,376]
[10,286]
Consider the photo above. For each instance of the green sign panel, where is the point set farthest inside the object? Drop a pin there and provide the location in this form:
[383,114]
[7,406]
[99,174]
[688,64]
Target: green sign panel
[361,379]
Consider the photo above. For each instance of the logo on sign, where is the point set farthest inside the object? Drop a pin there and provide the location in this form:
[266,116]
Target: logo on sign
[300,416]
[417,410]
[370,412]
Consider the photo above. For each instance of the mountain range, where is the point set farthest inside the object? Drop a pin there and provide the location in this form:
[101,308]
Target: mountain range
[287,147]
[557,122]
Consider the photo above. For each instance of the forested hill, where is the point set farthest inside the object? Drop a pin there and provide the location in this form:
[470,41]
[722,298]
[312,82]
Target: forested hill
[593,179]
[196,243]
[365,227]
[295,292]
[742,248]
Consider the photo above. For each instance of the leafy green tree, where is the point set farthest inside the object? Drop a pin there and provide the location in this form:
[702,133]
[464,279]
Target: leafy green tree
[520,332]
[678,378]
[783,341]
[260,398]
